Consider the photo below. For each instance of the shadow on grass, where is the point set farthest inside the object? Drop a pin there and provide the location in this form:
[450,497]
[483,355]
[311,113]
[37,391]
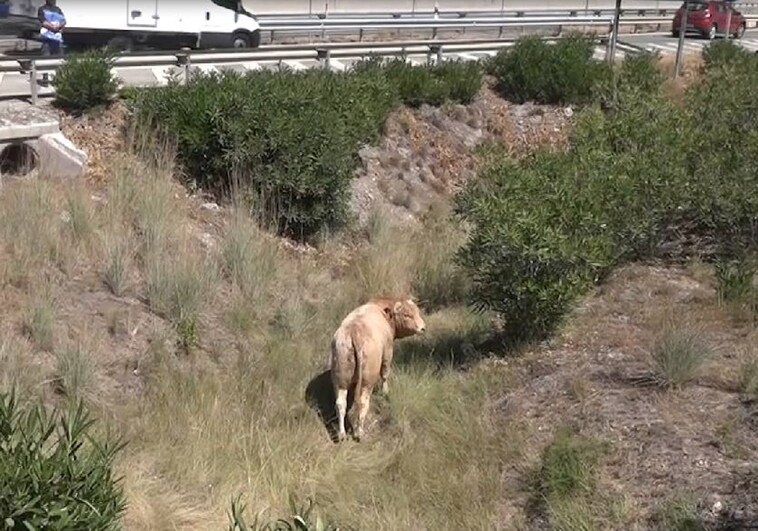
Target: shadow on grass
[319,394]
[453,348]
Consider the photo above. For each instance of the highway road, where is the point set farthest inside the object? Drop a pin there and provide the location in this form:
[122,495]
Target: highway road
[666,44]
[17,84]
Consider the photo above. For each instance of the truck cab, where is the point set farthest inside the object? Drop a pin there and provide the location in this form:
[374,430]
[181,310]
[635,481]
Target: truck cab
[162,24]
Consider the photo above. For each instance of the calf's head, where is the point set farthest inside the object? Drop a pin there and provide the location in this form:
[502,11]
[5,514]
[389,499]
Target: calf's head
[406,317]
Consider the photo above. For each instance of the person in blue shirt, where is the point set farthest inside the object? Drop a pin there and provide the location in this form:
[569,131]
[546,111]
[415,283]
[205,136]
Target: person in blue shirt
[52,20]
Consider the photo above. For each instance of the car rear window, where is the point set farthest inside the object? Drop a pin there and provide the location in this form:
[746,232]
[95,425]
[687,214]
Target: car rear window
[695,6]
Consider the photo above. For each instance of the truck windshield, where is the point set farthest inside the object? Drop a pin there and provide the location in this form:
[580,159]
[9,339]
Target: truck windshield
[234,5]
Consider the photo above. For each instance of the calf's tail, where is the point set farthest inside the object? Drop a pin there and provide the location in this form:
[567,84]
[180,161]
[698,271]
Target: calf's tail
[358,352]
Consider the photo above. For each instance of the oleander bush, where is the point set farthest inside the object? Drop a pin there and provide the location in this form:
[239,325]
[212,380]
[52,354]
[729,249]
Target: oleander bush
[53,473]
[292,138]
[548,228]
[560,73]
[725,53]
[85,80]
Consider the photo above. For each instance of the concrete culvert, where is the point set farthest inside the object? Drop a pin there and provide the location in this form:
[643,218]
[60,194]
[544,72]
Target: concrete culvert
[18,159]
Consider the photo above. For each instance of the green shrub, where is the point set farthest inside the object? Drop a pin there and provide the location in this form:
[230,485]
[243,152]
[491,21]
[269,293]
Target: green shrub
[735,279]
[533,70]
[641,72]
[53,474]
[85,80]
[292,138]
[725,53]
[548,228]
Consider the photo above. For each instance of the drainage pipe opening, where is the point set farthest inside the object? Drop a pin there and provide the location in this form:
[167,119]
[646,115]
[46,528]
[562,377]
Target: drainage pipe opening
[18,159]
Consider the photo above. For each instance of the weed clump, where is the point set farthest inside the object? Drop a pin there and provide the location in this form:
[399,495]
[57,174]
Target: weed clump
[678,355]
[564,484]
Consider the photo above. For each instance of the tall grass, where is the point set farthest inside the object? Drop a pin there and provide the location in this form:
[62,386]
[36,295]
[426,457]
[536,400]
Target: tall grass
[678,354]
[203,433]
[30,224]
[39,324]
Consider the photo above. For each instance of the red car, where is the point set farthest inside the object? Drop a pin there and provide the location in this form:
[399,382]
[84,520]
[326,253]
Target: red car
[710,19]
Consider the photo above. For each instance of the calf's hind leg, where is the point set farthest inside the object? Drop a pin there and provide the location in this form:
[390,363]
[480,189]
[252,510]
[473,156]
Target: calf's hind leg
[364,400]
[341,406]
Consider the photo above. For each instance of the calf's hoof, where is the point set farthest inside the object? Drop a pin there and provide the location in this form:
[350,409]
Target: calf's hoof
[359,433]
[341,436]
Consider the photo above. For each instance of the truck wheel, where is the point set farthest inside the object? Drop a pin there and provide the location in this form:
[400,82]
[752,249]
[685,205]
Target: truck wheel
[256,38]
[241,39]
[120,44]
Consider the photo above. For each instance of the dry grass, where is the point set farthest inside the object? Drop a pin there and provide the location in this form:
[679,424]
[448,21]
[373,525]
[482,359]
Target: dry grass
[678,355]
[40,320]
[232,418]
[692,69]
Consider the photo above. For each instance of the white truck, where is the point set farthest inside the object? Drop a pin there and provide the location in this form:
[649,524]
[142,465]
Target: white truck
[154,23]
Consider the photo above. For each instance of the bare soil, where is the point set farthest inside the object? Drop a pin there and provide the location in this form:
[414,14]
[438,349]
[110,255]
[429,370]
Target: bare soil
[596,375]
[428,153]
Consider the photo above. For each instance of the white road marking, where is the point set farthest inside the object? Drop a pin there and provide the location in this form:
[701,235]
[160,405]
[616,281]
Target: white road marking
[206,68]
[161,74]
[336,64]
[750,44]
[251,65]
[295,65]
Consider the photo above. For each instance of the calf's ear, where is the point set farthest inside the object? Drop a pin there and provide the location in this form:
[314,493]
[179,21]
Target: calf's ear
[398,306]
[387,311]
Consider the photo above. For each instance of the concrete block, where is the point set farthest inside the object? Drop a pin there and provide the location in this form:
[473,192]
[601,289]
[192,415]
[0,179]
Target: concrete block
[59,157]
[19,121]
[27,130]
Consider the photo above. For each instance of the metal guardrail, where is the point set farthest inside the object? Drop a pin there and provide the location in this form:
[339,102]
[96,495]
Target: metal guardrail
[361,23]
[273,18]
[411,7]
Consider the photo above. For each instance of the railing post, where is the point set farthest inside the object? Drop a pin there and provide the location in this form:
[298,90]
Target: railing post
[611,50]
[183,60]
[33,80]
[324,57]
[28,65]
[435,50]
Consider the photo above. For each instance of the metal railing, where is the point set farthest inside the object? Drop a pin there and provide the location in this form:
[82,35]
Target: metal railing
[363,23]
[325,8]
